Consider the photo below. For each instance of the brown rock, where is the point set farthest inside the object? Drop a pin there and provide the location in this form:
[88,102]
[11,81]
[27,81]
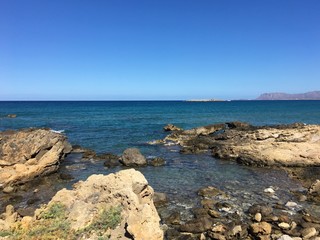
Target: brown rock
[262,228]
[160,199]
[308,233]
[171,127]
[132,157]
[29,153]
[157,162]
[209,191]
[174,218]
[198,225]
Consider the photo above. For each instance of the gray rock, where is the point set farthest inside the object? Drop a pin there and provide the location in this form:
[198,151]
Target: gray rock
[132,157]
[157,162]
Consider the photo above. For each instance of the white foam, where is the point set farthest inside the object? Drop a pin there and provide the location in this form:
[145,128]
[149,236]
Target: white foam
[57,131]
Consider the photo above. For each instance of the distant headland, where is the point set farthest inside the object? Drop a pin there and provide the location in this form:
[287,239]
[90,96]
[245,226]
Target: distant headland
[315,95]
[205,100]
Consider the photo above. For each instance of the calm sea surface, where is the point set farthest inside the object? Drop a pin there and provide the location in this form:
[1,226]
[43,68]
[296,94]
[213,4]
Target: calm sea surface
[114,126]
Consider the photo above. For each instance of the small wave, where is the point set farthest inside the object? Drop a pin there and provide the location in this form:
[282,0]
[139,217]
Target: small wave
[57,131]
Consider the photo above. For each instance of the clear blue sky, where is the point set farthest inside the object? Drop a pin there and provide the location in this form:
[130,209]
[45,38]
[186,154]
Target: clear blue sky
[125,49]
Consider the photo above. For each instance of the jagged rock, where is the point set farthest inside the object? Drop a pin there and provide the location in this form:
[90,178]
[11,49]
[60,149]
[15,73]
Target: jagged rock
[171,127]
[29,153]
[132,157]
[128,190]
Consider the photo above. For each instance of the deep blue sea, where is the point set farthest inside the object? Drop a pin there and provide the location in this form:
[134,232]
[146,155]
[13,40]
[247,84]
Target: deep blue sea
[113,126]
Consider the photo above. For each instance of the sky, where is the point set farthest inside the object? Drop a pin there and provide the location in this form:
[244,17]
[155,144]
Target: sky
[157,49]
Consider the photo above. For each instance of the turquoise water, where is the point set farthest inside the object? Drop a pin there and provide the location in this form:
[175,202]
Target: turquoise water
[115,126]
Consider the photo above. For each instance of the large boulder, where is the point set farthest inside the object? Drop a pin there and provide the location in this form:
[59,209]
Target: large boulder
[29,153]
[132,157]
[114,206]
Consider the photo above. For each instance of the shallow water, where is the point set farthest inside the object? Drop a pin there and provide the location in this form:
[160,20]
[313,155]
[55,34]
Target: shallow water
[115,126]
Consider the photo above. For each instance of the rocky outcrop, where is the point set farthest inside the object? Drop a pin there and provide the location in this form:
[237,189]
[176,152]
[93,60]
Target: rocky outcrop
[132,157]
[30,153]
[123,201]
[171,127]
[285,145]
[315,95]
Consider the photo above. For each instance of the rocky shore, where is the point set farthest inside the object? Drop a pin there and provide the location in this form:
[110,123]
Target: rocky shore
[122,205]
[294,145]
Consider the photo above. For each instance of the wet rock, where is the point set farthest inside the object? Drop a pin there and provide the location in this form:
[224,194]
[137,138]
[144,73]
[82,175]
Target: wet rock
[174,219]
[209,191]
[157,162]
[132,157]
[172,234]
[160,199]
[291,204]
[11,115]
[111,160]
[171,127]
[315,188]
[238,125]
[65,176]
[308,233]
[198,225]
[262,228]
[208,203]
[269,190]
[200,212]
[264,209]
[33,200]
[214,213]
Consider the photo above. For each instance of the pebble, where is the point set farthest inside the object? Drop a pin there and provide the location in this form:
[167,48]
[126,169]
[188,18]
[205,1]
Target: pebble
[284,225]
[258,217]
[293,225]
[285,237]
[237,229]
[291,204]
[269,190]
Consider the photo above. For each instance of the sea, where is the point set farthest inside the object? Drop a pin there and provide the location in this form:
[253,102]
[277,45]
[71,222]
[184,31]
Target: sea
[113,126]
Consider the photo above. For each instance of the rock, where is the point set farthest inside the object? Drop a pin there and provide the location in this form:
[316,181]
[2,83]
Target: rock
[8,218]
[262,228]
[214,213]
[291,204]
[8,189]
[216,236]
[282,145]
[258,217]
[236,230]
[198,225]
[269,190]
[29,153]
[264,209]
[132,157]
[25,211]
[209,191]
[171,127]
[11,115]
[157,162]
[308,233]
[219,228]
[284,225]
[315,187]
[111,160]
[174,218]
[127,190]
[160,199]
[65,176]
[285,237]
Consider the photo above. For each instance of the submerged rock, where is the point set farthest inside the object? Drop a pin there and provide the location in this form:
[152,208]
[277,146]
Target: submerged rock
[157,162]
[132,157]
[29,153]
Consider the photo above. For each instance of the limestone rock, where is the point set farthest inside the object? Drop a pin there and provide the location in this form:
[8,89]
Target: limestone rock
[285,145]
[127,189]
[262,228]
[308,233]
[315,187]
[132,157]
[29,153]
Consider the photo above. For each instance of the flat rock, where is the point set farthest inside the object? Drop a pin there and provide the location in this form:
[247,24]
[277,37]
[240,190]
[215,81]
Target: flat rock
[282,145]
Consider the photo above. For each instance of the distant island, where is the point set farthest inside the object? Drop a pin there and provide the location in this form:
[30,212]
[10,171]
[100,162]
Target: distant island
[205,100]
[315,95]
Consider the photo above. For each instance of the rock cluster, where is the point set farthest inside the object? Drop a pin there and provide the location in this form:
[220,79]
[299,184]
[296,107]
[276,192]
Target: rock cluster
[29,153]
[217,219]
[285,145]
[127,190]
